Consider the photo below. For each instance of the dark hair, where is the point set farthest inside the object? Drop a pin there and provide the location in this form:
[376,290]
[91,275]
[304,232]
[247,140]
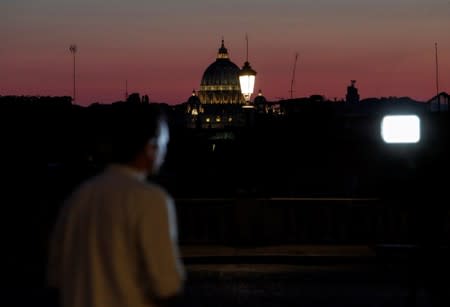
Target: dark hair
[132,127]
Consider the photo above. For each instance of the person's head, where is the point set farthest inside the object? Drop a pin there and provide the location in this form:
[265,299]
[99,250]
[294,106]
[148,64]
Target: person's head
[141,137]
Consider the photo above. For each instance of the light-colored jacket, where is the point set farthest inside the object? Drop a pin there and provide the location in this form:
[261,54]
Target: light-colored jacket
[115,243]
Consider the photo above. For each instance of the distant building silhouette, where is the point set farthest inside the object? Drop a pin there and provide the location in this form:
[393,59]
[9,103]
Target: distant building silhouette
[260,103]
[145,99]
[41,101]
[352,93]
[134,98]
[439,103]
[317,98]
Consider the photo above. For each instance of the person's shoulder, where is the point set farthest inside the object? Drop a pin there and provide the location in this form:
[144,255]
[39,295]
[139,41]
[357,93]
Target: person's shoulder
[90,182]
[152,199]
[155,192]
[86,185]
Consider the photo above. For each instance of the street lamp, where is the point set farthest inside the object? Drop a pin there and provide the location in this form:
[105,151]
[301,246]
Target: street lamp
[247,79]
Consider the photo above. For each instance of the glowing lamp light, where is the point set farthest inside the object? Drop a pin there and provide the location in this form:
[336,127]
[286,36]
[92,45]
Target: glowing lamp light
[400,129]
[247,80]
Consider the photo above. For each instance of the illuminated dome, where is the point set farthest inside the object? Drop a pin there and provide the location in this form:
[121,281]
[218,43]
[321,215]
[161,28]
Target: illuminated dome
[220,81]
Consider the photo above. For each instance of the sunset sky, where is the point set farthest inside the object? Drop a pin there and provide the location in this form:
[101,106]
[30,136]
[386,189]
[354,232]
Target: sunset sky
[163,47]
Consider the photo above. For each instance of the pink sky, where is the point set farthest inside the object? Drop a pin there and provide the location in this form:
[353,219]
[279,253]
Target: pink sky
[163,47]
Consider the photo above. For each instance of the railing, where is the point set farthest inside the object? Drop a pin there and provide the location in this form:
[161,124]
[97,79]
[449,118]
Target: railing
[275,221]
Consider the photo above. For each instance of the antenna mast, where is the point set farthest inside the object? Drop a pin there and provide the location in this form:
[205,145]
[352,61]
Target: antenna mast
[437,69]
[293,75]
[437,77]
[73,50]
[246,54]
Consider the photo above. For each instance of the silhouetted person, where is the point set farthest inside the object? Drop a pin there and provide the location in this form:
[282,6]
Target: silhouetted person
[115,241]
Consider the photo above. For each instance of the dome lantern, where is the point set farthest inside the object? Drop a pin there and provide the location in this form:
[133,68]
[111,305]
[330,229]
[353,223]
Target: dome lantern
[223,52]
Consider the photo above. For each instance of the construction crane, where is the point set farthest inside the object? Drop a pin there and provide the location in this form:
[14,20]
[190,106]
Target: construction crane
[291,91]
